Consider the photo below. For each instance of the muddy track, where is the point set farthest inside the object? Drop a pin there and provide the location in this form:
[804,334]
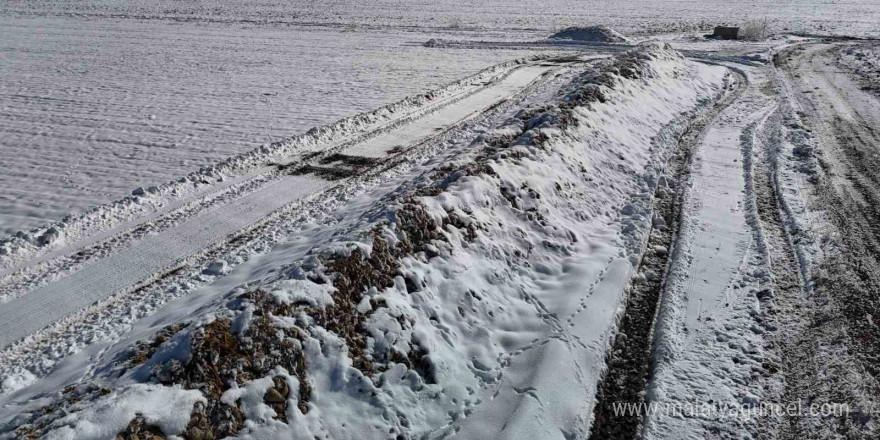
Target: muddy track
[628,364]
[832,352]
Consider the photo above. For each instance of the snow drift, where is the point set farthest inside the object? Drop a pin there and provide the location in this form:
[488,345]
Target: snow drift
[598,33]
[477,299]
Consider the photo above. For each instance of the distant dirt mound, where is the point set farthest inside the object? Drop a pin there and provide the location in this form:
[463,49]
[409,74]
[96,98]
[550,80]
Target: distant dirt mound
[603,34]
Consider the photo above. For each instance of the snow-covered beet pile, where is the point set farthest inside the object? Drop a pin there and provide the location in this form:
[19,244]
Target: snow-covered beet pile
[475,299]
[598,33]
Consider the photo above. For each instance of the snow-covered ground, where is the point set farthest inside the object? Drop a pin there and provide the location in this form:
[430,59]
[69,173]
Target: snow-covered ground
[40,308]
[479,326]
[708,310]
[668,239]
[90,109]
[822,16]
[766,323]
[102,96]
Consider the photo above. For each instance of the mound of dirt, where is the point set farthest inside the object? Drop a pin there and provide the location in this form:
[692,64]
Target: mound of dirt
[599,33]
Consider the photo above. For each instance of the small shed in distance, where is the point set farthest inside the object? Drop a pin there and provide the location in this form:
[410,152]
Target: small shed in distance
[726,32]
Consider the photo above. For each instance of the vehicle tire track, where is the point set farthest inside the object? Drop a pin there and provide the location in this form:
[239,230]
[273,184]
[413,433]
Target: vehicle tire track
[829,349]
[628,362]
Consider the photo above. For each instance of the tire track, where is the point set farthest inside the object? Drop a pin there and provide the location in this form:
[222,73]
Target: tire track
[829,351]
[628,365]
[47,267]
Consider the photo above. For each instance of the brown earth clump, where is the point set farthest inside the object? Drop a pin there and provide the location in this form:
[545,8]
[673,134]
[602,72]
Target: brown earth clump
[144,350]
[219,358]
[139,429]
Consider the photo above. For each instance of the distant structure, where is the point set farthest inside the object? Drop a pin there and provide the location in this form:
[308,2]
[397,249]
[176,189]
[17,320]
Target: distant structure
[726,32]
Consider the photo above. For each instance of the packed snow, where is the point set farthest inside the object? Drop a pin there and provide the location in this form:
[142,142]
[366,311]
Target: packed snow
[298,220]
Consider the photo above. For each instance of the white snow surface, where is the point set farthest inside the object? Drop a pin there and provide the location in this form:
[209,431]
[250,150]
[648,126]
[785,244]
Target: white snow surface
[515,321]
[711,329]
[515,18]
[165,407]
[706,334]
[93,104]
[91,109]
[33,310]
[213,181]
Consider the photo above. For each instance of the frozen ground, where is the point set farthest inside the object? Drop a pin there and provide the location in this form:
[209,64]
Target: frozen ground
[545,17]
[93,82]
[608,241]
[92,108]
[470,284]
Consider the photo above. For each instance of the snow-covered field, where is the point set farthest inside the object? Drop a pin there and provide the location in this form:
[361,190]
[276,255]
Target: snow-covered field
[92,108]
[491,250]
[603,235]
[839,16]
[99,97]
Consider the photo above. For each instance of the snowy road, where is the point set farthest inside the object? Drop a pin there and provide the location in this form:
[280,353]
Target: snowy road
[770,289]
[716,213]
[154,256]
[147,259]
[379,146]
[706,301]
[838,334]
